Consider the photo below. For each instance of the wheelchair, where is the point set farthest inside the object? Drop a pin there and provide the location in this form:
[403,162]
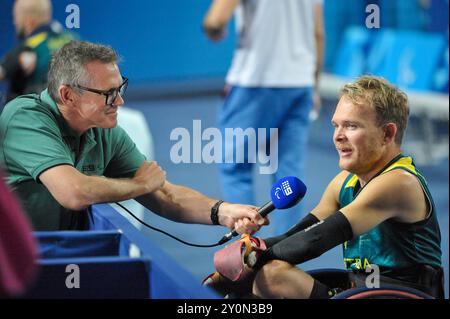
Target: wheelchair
[339,278]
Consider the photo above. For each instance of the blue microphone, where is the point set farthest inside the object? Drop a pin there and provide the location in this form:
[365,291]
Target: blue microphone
[285,193]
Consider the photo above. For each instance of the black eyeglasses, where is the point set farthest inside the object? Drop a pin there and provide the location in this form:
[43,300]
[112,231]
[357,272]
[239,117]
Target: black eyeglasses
[111,95]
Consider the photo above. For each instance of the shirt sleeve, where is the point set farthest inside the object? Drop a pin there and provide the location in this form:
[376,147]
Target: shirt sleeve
[125,157]
[10,62]
[33,143]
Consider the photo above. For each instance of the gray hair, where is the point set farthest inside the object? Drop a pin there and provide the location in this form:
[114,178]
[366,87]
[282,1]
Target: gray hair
[67,66]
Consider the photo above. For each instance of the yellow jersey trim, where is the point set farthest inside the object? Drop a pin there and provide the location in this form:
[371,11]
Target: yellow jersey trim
[352,181]
[404,162]
[35,40]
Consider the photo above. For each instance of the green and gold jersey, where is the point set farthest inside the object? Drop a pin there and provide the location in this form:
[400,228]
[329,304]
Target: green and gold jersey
[44,44]
[392,244]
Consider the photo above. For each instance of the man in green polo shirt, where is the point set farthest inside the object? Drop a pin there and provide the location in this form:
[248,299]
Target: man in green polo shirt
[63,151]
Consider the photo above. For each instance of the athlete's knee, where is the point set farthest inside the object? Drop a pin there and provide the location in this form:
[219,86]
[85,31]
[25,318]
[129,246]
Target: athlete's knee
[279,279]
[266,280]
[272,271]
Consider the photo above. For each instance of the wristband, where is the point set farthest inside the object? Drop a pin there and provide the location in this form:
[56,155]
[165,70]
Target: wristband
[215,213]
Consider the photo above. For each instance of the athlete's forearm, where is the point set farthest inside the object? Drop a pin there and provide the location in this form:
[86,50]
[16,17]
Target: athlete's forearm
[307,221]
[311,242]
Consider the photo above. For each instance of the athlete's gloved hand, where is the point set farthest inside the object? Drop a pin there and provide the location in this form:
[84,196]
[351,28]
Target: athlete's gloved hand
[231,262]
[233,272]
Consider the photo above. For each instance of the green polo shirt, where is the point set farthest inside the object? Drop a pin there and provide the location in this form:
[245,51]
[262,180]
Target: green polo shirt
[35,137]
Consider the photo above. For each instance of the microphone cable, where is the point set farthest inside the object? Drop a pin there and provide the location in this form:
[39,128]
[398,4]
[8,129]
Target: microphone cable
[166,233]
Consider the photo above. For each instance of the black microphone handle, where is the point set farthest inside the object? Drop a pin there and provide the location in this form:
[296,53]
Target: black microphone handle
[266,209]
[263,211]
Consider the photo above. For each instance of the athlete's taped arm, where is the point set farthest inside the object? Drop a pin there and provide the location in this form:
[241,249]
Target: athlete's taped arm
[309,243]
[307,221]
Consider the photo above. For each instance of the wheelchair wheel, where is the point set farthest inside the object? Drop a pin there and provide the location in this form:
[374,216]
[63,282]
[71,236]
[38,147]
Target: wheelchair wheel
[339,278]
[385,292]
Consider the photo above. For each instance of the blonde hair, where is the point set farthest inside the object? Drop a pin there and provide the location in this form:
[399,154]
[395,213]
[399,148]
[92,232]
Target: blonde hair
[39,10]
[390,103]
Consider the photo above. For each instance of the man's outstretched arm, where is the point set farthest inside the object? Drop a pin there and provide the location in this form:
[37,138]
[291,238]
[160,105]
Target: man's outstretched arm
[183,204]
[76,191]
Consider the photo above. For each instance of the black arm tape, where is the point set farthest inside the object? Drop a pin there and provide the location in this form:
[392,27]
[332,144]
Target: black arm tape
[311,242]
[307,221]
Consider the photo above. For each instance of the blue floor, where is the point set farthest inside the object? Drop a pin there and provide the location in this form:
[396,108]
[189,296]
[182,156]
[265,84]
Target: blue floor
[164,115]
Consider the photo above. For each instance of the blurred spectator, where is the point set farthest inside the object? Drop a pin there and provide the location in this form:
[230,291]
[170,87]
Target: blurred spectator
[25,66]
[273,83]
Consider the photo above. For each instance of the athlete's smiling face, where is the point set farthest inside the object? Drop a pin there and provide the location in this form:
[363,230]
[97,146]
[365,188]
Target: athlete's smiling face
[357,137]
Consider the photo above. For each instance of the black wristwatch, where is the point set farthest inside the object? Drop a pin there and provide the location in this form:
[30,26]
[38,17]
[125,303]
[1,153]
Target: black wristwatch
[215,213]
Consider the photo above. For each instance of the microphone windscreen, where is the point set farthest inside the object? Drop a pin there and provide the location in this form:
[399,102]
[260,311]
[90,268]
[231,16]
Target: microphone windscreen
[287,191]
